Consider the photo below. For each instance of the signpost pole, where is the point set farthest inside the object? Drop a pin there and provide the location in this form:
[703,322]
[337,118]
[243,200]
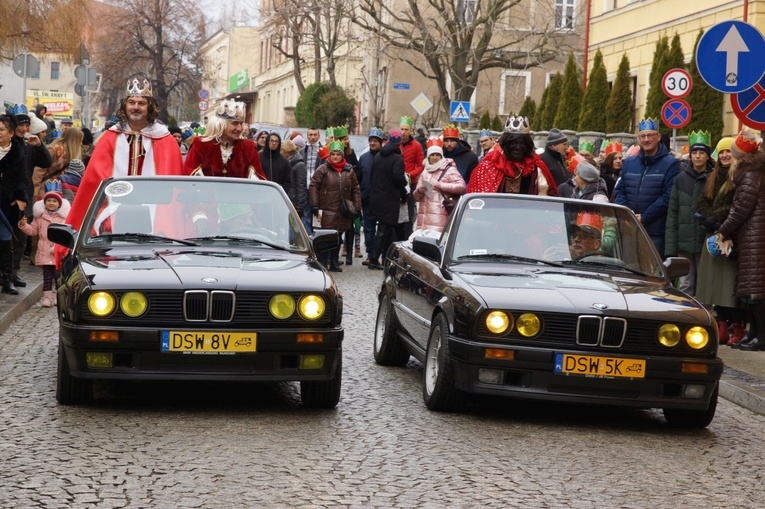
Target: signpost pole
[674,140]
[24,80]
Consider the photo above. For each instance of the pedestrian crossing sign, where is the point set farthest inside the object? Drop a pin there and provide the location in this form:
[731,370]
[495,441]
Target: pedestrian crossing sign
[459,111]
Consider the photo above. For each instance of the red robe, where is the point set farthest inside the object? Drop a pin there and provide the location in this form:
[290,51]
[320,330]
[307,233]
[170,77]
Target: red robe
[206,156]
[488,176]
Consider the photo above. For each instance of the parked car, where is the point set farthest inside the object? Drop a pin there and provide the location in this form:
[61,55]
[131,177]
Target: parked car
[548,299]
[184,278]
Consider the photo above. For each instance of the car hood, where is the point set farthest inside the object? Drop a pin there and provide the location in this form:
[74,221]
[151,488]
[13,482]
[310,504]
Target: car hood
[584,293]
[207,269]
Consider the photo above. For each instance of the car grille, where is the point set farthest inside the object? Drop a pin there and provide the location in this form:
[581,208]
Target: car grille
[200,306]
[607,332]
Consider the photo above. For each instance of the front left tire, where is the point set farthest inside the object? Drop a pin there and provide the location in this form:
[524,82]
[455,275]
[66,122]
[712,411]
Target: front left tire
[326,393]
[71,390]
[438,389]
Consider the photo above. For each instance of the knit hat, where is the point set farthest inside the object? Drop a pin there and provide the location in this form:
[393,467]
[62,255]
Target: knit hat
[394,138]
[587,172]
[724,144]
[299,141]
[22,118]
[435,149]
[76,166]
[54,194]
[174,129]
[746,142]
[36,126]
[555,137]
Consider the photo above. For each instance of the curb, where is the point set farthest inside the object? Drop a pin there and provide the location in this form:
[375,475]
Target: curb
[743,389]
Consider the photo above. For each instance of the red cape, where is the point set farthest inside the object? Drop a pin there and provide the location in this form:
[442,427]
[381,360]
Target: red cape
[486,177]
[206,155]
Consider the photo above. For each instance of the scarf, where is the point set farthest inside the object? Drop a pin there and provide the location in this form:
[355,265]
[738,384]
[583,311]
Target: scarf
[338,167]
[430,168]
[513,168]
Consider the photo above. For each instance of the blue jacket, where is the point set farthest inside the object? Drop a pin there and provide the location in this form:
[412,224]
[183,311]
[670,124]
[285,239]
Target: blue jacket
[645,186]
[365,161]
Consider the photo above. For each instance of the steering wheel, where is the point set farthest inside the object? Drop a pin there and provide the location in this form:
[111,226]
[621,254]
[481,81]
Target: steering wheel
[587,254]
[253,230]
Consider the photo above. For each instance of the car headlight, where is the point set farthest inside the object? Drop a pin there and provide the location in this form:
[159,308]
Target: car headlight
[281,306]
[101,304]
[697,338]
[311,307]
[528,325]
[669,335]
[134,304]
[499,322]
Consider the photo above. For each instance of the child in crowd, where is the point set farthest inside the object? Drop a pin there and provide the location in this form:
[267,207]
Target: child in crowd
[53,208]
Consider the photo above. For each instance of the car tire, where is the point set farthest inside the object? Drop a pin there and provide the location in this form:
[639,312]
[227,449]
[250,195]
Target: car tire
[693,419]
[71,390]
[438,390]
[324,394]
[388,350]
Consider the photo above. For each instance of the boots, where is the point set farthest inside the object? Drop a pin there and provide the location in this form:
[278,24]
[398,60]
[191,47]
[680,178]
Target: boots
[6,267]
[722,331]
[344,252]
[357,253]
[739,333]
[349,256]
[47,299]
[334,266]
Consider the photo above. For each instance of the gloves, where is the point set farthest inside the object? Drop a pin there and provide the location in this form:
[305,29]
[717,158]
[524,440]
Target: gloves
[711,223]
[315,210]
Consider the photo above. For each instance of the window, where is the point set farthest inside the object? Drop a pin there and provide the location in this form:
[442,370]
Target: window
[469,12]
[564,14]
[55,70]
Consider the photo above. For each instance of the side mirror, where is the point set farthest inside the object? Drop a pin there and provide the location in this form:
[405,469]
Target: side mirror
[325,240]
[62,234]
[677,266]
[427,247]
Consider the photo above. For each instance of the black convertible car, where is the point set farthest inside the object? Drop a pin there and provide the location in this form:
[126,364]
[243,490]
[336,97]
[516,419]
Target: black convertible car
[549,299]
[196,278]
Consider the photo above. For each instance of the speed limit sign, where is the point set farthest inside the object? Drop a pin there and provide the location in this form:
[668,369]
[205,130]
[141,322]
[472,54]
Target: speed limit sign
[203,105]
[676,83]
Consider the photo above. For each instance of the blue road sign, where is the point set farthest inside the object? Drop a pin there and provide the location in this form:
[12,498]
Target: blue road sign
[676,113]
[401,86]
[749,106]
[730,56]
[459,111]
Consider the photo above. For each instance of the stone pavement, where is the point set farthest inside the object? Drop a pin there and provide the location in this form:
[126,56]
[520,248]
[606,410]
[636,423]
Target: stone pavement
[743,381]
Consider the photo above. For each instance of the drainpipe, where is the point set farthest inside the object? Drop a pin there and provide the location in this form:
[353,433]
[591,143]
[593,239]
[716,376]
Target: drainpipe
[587,43]
[746,11]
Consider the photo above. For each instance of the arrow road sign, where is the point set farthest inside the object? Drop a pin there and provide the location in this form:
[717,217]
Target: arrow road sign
[749,106]
[729,56]
[459,111]
[676,113]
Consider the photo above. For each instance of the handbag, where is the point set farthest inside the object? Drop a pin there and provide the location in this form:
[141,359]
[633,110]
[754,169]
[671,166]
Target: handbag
[449,201]
[347,207]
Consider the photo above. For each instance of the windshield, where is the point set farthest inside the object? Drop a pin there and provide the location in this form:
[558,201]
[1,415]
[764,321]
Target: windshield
[193,211]
[550,232]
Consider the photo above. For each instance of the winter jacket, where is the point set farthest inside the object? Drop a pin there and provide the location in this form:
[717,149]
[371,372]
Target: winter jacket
[597,191]
[324,192]
[275,166]
[464,158]
[14,180]
[684,233]
[412,153]
[557,166]
[431,214]
[388,185]
[645,186]
[746,226]
[39,227]
[365,161]
[298,191]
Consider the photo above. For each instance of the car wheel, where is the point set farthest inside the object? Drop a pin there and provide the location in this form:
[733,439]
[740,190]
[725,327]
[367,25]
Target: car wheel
[438,388]
[324,394]
[71,390]
[388,349]
[693,419]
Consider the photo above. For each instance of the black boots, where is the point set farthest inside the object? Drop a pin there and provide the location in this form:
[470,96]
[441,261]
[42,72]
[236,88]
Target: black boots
[6,267]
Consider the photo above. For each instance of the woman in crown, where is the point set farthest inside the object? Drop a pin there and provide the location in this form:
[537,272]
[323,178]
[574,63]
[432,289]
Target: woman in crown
[222,151]
[513,166]
[611,168]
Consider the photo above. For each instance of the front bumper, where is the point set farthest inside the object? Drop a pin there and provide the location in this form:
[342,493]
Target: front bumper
[138,356]
[530,374]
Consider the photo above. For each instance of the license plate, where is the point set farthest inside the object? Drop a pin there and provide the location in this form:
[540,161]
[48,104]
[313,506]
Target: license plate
[208,341]
[591,365]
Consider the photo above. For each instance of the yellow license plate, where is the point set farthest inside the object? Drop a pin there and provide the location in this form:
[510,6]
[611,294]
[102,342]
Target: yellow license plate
[592,365]
[209,341]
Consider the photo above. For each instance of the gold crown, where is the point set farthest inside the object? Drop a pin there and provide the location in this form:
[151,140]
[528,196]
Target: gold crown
[231,110]
[134,88]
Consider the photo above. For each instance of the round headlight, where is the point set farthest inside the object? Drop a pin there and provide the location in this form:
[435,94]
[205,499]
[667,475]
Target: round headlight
[669,335]
[528,325]
[101,304]
[134,304]
[281,306]
[498,322]
[311,307]
[697,337]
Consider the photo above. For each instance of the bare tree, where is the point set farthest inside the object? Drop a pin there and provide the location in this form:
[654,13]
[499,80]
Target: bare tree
[154,39]
[456,40]
[42,26]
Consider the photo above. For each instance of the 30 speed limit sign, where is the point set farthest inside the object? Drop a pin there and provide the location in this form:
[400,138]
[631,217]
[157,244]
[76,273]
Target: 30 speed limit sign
[676,83]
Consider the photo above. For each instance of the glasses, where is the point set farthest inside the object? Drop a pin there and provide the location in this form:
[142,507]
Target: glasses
[583,236]
[646,136]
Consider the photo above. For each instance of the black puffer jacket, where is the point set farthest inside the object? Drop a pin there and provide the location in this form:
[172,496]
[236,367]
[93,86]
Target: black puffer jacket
[746,225]
[14,180]
[684,233]
[275,166]
[388,185]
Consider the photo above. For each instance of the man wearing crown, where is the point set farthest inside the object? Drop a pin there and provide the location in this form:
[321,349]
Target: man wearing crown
[486,140]
[138,144]
[222,151]
[646,182]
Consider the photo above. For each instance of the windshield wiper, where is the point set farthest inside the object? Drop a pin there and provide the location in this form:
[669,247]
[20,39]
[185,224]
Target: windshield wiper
[142,236]
[607,265]
[507,257]
[246,240]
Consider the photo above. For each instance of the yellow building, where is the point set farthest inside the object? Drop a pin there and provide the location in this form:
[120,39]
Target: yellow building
[632,27]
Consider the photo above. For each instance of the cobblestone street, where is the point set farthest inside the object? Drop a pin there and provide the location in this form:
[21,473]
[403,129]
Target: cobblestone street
[225,445]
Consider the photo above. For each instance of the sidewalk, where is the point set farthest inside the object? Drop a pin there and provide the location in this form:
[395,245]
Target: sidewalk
[743,381]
